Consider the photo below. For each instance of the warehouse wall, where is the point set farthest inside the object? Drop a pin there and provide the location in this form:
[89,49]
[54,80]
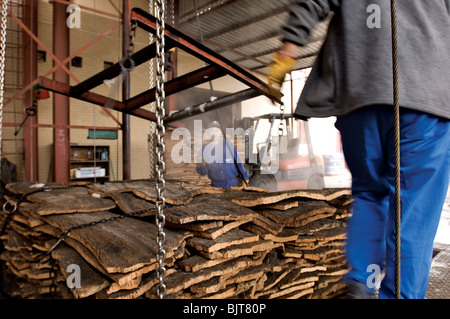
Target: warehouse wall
[82,113]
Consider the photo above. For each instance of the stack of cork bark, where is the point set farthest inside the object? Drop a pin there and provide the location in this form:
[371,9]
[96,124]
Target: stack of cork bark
[239,243]
[179,159]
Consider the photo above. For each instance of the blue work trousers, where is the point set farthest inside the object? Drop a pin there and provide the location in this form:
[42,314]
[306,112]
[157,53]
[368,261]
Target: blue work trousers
[368,143]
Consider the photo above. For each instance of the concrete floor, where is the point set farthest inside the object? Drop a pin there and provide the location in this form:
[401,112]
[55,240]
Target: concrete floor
[439,283]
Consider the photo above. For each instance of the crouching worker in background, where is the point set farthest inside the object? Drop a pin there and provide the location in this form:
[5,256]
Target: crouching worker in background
[221,161]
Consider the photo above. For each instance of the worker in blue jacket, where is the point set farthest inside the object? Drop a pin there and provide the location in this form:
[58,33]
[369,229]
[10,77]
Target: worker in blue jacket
[352,80]
[221,162]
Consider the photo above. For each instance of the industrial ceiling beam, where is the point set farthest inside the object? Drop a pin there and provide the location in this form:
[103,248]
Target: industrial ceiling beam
[191,15]
[249,22]
[94,98]
[113,71]
[217,66]
[148,23]
[178,84]
[212,105]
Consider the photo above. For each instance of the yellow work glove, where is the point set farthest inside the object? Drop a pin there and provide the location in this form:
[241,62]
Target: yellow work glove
[281,64]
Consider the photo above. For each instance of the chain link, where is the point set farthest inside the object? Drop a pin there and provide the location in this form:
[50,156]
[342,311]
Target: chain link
[172,11]
[2,68]
[133,27]
[160,147]
[281,125]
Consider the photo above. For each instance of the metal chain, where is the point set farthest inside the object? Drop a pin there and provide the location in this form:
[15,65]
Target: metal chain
[398,213]
[2,69]
[160,147]
[281,125]
[172,11]
[151,75]
[133,27]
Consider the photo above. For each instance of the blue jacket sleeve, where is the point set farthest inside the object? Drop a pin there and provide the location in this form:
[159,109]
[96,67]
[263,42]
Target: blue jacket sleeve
[202,170]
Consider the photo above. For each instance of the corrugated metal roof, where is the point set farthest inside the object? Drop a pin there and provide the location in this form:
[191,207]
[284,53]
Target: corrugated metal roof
[245,31]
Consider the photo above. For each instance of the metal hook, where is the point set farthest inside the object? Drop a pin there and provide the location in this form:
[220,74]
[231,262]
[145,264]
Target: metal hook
[11,203]
[124,68]
[62,238]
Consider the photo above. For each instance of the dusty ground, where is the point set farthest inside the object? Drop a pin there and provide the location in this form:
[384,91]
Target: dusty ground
[443,232]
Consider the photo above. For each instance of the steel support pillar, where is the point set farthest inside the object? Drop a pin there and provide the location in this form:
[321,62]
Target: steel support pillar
[126,136]
[61,104]
[29,74]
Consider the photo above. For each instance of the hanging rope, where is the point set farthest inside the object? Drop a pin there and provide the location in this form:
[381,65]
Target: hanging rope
[160,147]
[398,213]
[2,70]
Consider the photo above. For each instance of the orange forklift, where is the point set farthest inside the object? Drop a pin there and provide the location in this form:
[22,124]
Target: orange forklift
[276,163]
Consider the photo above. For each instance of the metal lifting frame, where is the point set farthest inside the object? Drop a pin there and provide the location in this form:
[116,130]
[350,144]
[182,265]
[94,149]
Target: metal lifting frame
[217,66]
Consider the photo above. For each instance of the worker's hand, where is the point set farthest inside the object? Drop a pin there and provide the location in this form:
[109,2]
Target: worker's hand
[281,65]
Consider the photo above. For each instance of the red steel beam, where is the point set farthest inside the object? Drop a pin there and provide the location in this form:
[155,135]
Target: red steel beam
[178,84]
[30,133]
[148,23]
[61,103]
[113,71]
[126,122]
[95,98]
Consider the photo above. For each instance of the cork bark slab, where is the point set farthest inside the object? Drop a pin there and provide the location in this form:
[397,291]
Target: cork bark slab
[181,280]
[146,283]
[250,189]
[23,188]
[72,200]
[120,279]
[283,205]
[196,190]
[318,225]
[304,210]
[216,232]
[197,262]
[285,235]
[300,290]
[91,281]
[129,203]
[256,199]
[267,224]
[29,211]
[241,250]
[296,277]
[218,283]
[233,237]
[207,208]
[196,226]
[121,246]
[324,235]
[174,193]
